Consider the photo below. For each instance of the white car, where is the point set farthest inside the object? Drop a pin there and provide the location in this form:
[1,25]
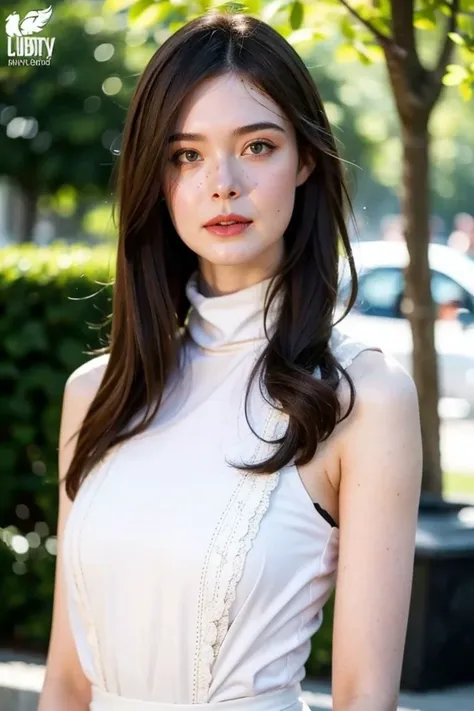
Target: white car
[378,316]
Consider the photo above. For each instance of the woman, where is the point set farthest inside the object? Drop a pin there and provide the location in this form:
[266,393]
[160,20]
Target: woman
[234,448]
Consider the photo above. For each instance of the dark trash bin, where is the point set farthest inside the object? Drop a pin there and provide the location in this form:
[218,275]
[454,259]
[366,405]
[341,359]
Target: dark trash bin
[439,648]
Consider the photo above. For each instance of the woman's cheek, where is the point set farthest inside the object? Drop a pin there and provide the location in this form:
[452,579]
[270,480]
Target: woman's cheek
[278,193]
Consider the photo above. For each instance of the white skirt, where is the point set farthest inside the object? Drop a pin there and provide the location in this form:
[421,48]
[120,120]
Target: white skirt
[287,699]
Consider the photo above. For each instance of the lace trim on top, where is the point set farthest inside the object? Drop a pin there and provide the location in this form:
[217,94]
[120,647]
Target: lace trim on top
[224,565]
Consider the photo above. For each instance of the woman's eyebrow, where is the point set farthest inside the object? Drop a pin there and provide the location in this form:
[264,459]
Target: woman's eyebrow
[240,131]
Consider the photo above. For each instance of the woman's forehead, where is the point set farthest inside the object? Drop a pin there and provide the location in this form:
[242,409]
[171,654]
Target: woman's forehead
[225,103]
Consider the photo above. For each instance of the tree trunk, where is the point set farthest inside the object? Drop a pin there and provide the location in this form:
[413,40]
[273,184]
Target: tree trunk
[29,213]
[421,312]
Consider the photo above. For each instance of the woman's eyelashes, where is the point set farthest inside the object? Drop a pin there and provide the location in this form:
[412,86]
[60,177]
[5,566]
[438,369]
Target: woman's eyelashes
[190,151]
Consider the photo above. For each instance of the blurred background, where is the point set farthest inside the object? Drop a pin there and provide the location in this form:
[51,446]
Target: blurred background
[62,107]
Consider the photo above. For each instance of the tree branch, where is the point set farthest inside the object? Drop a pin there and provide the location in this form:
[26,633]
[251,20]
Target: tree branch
[447,48]
[402,23]
[384,40]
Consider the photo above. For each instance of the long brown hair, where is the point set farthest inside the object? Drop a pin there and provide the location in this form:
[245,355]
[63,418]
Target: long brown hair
[149,304]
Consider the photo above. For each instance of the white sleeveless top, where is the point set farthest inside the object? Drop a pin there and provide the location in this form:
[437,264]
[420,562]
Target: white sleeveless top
[189,581]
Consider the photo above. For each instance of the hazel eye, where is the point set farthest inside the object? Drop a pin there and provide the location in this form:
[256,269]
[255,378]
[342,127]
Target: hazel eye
[265,144]
[184,152]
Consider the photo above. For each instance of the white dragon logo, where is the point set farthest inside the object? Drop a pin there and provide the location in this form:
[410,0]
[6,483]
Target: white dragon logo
[32,23]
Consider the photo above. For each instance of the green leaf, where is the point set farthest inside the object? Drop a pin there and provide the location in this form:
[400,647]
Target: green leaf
[143,14]
[346,53]
[423,23]
[271,10]
[347,28]
[296,15]
[23,434]
[253,7]
[69,353]
[8,458]
[231,6]
[305,34]
[8,370]
[457,38]
[50,418]
[455,75]
[14,346]
[66,196]
[425,19]
[466,91]
[363,52]
[34,336]
[20,408]
[112,6]
[445,9]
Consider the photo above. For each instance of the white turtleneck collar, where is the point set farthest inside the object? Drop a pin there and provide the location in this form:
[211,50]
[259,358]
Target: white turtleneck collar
[229,321]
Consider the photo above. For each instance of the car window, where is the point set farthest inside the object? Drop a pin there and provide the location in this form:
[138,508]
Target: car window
[446,291]
[380,292]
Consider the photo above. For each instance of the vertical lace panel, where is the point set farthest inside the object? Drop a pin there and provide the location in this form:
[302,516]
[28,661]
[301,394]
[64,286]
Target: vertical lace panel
[226,555]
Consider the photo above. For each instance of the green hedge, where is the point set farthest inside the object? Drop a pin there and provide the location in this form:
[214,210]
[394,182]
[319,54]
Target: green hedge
[44,336]
[45,312]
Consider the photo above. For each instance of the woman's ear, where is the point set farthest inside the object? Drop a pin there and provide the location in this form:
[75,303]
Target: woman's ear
[304,171]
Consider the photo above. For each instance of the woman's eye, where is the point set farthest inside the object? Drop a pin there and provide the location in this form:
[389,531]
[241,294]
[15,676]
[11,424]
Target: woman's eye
[185,152]
[189,153]
[260,144]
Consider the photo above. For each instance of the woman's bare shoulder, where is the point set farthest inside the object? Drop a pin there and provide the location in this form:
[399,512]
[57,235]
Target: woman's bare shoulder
[87,377]
[383,389]
[91,370]
[379,375]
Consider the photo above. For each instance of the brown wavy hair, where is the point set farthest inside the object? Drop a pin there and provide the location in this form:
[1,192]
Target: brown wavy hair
[149,304]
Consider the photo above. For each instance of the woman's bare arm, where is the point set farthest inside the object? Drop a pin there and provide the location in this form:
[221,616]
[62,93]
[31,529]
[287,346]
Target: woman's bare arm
[65,685]
[381,463]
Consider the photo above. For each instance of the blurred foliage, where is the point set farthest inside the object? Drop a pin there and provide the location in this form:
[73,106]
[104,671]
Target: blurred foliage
[360,107]
[348,66]
[320,658]
[61,123]
[48,298]
[303,21]
[66,152]
[99,221]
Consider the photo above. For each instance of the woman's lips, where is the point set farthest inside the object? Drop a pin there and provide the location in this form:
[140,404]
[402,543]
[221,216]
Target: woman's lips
[228,230]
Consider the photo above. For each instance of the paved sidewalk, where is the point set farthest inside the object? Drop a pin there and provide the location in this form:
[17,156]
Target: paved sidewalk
[21,680]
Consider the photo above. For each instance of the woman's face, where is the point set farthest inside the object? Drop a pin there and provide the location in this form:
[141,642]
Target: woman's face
[253,173]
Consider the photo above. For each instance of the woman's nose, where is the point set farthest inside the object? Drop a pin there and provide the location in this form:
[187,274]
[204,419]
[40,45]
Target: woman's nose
[225,181]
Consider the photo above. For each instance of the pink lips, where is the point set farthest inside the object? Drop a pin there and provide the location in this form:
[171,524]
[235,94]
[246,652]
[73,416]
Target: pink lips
[240,224]
[228,230]
[229,217]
